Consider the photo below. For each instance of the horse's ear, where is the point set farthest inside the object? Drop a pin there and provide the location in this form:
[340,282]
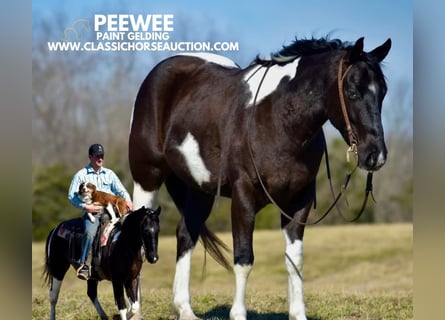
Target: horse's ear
[357,50]
[158,211]
[381,51]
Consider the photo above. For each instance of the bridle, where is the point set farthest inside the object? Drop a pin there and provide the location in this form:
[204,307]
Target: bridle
[351,150]
[340,78]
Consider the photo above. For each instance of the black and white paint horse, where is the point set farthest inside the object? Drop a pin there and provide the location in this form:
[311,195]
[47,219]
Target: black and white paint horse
[200,123]
[121,260]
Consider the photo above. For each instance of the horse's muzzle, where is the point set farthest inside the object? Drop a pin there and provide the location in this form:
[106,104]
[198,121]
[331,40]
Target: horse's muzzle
[373,161]
[153,259]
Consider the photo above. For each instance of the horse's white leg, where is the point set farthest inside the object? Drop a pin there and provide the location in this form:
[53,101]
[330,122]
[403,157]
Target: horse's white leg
[123,314]
[181,287]
[135,305]
[294,264]
[54,296]
[238,310]
[142,197]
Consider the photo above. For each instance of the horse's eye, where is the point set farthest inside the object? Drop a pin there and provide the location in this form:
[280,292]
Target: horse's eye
[353,94]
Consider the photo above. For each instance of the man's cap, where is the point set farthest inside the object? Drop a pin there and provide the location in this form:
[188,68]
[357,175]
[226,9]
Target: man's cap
[96,149]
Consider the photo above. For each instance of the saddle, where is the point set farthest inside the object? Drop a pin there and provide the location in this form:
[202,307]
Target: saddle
[107,234]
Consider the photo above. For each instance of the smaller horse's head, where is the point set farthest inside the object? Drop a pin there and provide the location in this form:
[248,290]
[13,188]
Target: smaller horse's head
[361,88]
[150,233]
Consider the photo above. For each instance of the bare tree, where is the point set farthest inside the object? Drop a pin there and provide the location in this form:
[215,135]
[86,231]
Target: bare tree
[78,98]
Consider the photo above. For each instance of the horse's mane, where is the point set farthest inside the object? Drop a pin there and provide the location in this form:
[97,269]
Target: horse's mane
[302,47]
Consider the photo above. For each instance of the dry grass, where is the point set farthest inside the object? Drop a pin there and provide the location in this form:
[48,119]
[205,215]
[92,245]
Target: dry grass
[351,272]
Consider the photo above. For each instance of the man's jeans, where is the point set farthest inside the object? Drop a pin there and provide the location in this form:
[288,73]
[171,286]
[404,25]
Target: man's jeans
[90,229]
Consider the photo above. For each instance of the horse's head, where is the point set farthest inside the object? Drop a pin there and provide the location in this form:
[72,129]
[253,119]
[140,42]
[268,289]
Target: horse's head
[150,233]
[361,86]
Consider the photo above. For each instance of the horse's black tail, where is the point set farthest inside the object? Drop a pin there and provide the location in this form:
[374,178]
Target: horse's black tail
[46,274]
[213,245]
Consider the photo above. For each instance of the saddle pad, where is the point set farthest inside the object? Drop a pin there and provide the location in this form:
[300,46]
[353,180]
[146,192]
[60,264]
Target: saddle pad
[105,234]
[68,227]
[75,226]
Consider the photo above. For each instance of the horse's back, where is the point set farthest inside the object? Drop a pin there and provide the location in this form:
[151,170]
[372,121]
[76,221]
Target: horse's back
[180,84]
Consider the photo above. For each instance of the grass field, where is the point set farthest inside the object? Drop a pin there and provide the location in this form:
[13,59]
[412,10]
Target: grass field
[350,272]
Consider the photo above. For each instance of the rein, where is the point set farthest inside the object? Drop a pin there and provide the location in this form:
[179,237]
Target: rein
[352,149]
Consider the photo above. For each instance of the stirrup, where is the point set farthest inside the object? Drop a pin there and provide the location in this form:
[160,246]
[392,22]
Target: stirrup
[82,270]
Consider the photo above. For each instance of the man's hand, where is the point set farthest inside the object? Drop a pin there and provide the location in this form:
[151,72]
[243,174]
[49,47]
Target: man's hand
[92,208]
[130,205]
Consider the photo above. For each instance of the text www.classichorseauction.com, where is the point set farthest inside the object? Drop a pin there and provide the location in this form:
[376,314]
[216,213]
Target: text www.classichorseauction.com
[128,32]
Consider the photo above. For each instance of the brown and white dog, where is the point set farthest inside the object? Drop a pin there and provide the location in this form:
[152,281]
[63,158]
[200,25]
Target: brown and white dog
[89,195]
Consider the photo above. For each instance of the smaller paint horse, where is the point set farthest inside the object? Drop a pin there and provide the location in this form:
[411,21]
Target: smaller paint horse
[121,259]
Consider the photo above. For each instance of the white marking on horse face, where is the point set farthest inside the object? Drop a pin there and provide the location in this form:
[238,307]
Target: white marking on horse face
[189,148]
[271,81]
[238,310]
[211,57]
[181,284]
[372,87]
[142,198]
[294,251]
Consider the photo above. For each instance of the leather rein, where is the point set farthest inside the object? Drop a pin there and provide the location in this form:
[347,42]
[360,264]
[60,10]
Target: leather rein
[351,150]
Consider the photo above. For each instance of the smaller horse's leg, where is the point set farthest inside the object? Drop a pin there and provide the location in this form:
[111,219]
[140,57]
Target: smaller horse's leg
[54,296]
[92,294]
[293,234]
[118,290]
[133,293]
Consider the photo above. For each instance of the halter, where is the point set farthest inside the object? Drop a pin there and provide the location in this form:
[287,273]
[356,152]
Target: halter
[352,149]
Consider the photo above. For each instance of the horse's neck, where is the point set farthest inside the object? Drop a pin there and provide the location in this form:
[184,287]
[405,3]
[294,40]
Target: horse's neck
[303,107]
[130,239]
[302,119]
